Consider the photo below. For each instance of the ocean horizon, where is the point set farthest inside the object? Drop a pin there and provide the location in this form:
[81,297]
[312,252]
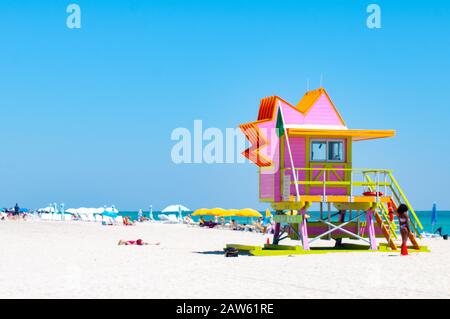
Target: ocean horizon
[424,216]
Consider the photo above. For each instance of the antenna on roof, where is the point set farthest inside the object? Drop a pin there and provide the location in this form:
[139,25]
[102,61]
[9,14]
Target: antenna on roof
[307,85]
[321,80]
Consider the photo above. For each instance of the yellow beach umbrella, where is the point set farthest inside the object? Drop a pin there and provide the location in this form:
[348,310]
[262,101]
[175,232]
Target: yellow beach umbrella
[248,212]
[210,212]
[219,212]
[201,211]
[232,212]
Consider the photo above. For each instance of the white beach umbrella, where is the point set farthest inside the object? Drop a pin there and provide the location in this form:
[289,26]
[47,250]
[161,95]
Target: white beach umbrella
[175,209]
[82,210]
[92,210]
[111,209]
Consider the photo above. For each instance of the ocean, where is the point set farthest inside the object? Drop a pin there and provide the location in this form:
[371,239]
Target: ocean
[443,219]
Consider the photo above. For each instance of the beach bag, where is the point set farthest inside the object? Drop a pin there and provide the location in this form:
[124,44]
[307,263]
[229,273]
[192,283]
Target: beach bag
[231,252]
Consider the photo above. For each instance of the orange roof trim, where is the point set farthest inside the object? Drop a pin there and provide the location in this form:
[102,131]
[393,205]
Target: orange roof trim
[311,97]
[356,135]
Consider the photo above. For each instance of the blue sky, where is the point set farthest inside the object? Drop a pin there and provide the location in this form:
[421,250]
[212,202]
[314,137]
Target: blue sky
[87,114]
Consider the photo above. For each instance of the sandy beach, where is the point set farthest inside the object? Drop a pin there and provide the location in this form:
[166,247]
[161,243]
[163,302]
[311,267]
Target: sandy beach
[82,260]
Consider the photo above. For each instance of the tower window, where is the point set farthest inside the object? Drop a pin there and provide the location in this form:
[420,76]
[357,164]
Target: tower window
[327,151]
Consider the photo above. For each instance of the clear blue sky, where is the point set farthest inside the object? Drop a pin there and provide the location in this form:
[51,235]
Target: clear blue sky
[87,114]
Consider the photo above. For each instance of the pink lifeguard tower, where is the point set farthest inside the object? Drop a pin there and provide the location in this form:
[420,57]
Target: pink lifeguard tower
[304,156]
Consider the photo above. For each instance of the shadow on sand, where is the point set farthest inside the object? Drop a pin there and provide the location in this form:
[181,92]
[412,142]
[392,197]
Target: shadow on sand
[212,252]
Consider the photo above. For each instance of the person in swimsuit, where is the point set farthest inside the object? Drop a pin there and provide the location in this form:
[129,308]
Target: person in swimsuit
[403,220]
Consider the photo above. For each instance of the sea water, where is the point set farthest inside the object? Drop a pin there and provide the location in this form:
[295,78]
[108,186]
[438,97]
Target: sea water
[443,219]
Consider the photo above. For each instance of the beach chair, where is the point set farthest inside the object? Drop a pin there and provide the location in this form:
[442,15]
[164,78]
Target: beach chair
[84,218]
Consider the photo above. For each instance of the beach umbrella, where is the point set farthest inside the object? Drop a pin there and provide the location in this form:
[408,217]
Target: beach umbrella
[433,217]
[92,210]
[150,214]
[217,211]
[212,212]
[23,210]
[232,212]
[201,211]
[248,212]
[267,216]
[175,209]
[109,214]
[82,210]
[111,209]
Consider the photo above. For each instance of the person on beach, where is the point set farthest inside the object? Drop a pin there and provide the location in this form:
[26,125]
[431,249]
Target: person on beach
[143,219]
[259,225]
[16,211]
[403,220]
[234,225]
[138,242]
[127,221]
[188,219]
[269,228]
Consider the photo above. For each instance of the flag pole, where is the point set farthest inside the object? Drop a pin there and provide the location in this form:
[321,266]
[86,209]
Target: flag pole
[290,154]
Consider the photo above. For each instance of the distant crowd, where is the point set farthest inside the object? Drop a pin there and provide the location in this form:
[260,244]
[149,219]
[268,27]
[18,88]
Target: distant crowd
[260,225]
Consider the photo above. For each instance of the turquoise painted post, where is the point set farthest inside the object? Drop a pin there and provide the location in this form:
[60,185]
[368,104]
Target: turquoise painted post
[304,231]
[371,230]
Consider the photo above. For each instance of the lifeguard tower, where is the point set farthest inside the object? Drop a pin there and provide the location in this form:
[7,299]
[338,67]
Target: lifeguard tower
[304,156]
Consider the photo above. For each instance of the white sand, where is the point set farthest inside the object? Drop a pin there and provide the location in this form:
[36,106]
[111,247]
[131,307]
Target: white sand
[82,260]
